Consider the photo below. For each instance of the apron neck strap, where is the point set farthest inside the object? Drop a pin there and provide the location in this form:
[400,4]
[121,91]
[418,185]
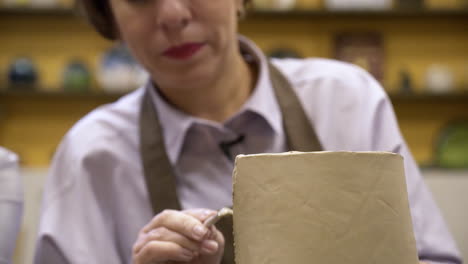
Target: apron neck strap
[300,133]
[160,179]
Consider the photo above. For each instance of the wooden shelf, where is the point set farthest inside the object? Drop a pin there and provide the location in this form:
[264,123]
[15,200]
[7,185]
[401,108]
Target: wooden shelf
[433,98]
[94,93]
[60,94]
[29,11]
[295,13]
[463,13]
[432,167]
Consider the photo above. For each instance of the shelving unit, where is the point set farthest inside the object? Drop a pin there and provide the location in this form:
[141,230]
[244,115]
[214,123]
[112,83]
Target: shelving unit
[28,11]
[41,93]
[294,13]
[431,98]
[59,95]
[32,123]
[389,14]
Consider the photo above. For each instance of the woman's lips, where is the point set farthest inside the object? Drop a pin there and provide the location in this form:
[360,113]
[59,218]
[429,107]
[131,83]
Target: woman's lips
[183,51]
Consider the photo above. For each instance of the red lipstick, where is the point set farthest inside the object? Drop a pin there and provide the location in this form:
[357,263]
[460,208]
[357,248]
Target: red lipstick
[183,51]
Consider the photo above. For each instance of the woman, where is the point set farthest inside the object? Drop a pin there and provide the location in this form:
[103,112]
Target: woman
[169,145]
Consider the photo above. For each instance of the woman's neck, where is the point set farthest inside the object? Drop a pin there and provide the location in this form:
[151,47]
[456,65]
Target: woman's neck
[223,97]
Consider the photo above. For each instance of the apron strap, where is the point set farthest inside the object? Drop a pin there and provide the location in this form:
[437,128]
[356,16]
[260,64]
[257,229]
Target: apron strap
[300,133]
[159,176]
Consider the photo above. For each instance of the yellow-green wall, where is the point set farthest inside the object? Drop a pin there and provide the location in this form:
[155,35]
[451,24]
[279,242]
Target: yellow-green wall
[33,125]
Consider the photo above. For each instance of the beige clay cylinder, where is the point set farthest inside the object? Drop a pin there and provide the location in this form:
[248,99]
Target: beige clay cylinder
[322,207]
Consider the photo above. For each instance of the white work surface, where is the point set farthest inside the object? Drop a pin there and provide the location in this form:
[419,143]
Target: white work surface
[450,189]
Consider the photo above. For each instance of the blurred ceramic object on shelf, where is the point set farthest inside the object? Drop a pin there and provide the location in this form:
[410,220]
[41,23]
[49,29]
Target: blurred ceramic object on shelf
[66,3]
[43,3]
[309,4]
[364,49]
[445,4]
[284,53]
[439,79]
[76,77]
[274,4]
[465,81]
[119,72]
[284,4]
[261,4]
[358,4]
[22,74]
[406,86]
[14,3]
[452,145]
[410,4]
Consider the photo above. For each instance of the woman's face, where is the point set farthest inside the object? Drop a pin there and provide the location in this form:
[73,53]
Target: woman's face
[180,42]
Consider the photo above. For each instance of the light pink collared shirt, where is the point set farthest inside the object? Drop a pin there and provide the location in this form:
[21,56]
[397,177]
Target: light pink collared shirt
[95,201]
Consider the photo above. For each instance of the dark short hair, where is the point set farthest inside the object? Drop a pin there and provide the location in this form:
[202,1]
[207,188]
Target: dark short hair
[99,14]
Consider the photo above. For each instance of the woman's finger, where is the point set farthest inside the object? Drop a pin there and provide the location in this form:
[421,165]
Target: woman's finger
[179,222]
[162,251]
[213,242]
[164,234]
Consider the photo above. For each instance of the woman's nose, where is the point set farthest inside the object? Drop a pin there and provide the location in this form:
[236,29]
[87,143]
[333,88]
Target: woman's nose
[173,15]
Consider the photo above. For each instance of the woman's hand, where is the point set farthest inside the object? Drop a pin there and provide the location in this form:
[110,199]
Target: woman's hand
[179,237]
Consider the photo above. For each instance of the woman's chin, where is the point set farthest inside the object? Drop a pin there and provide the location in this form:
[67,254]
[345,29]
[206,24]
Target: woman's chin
[193,77]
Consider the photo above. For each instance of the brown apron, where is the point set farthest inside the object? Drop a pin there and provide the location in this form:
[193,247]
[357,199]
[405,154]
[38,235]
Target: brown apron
[159,175]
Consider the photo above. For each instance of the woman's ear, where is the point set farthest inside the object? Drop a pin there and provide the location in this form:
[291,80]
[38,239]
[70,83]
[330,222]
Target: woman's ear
[240,7]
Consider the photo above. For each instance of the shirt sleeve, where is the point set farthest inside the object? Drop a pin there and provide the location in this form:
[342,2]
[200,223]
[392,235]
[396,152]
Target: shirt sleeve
[76,224]
[11,204]
[434,242]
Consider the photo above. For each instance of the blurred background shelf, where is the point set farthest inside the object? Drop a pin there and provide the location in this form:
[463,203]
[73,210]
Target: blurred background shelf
[29,11]
[60,95]
[265,13]
[431,98]
[32,123]
[395,13]
[99,94]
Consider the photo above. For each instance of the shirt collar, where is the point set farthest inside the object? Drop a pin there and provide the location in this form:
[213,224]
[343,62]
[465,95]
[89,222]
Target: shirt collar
[175,124]
[262,101]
